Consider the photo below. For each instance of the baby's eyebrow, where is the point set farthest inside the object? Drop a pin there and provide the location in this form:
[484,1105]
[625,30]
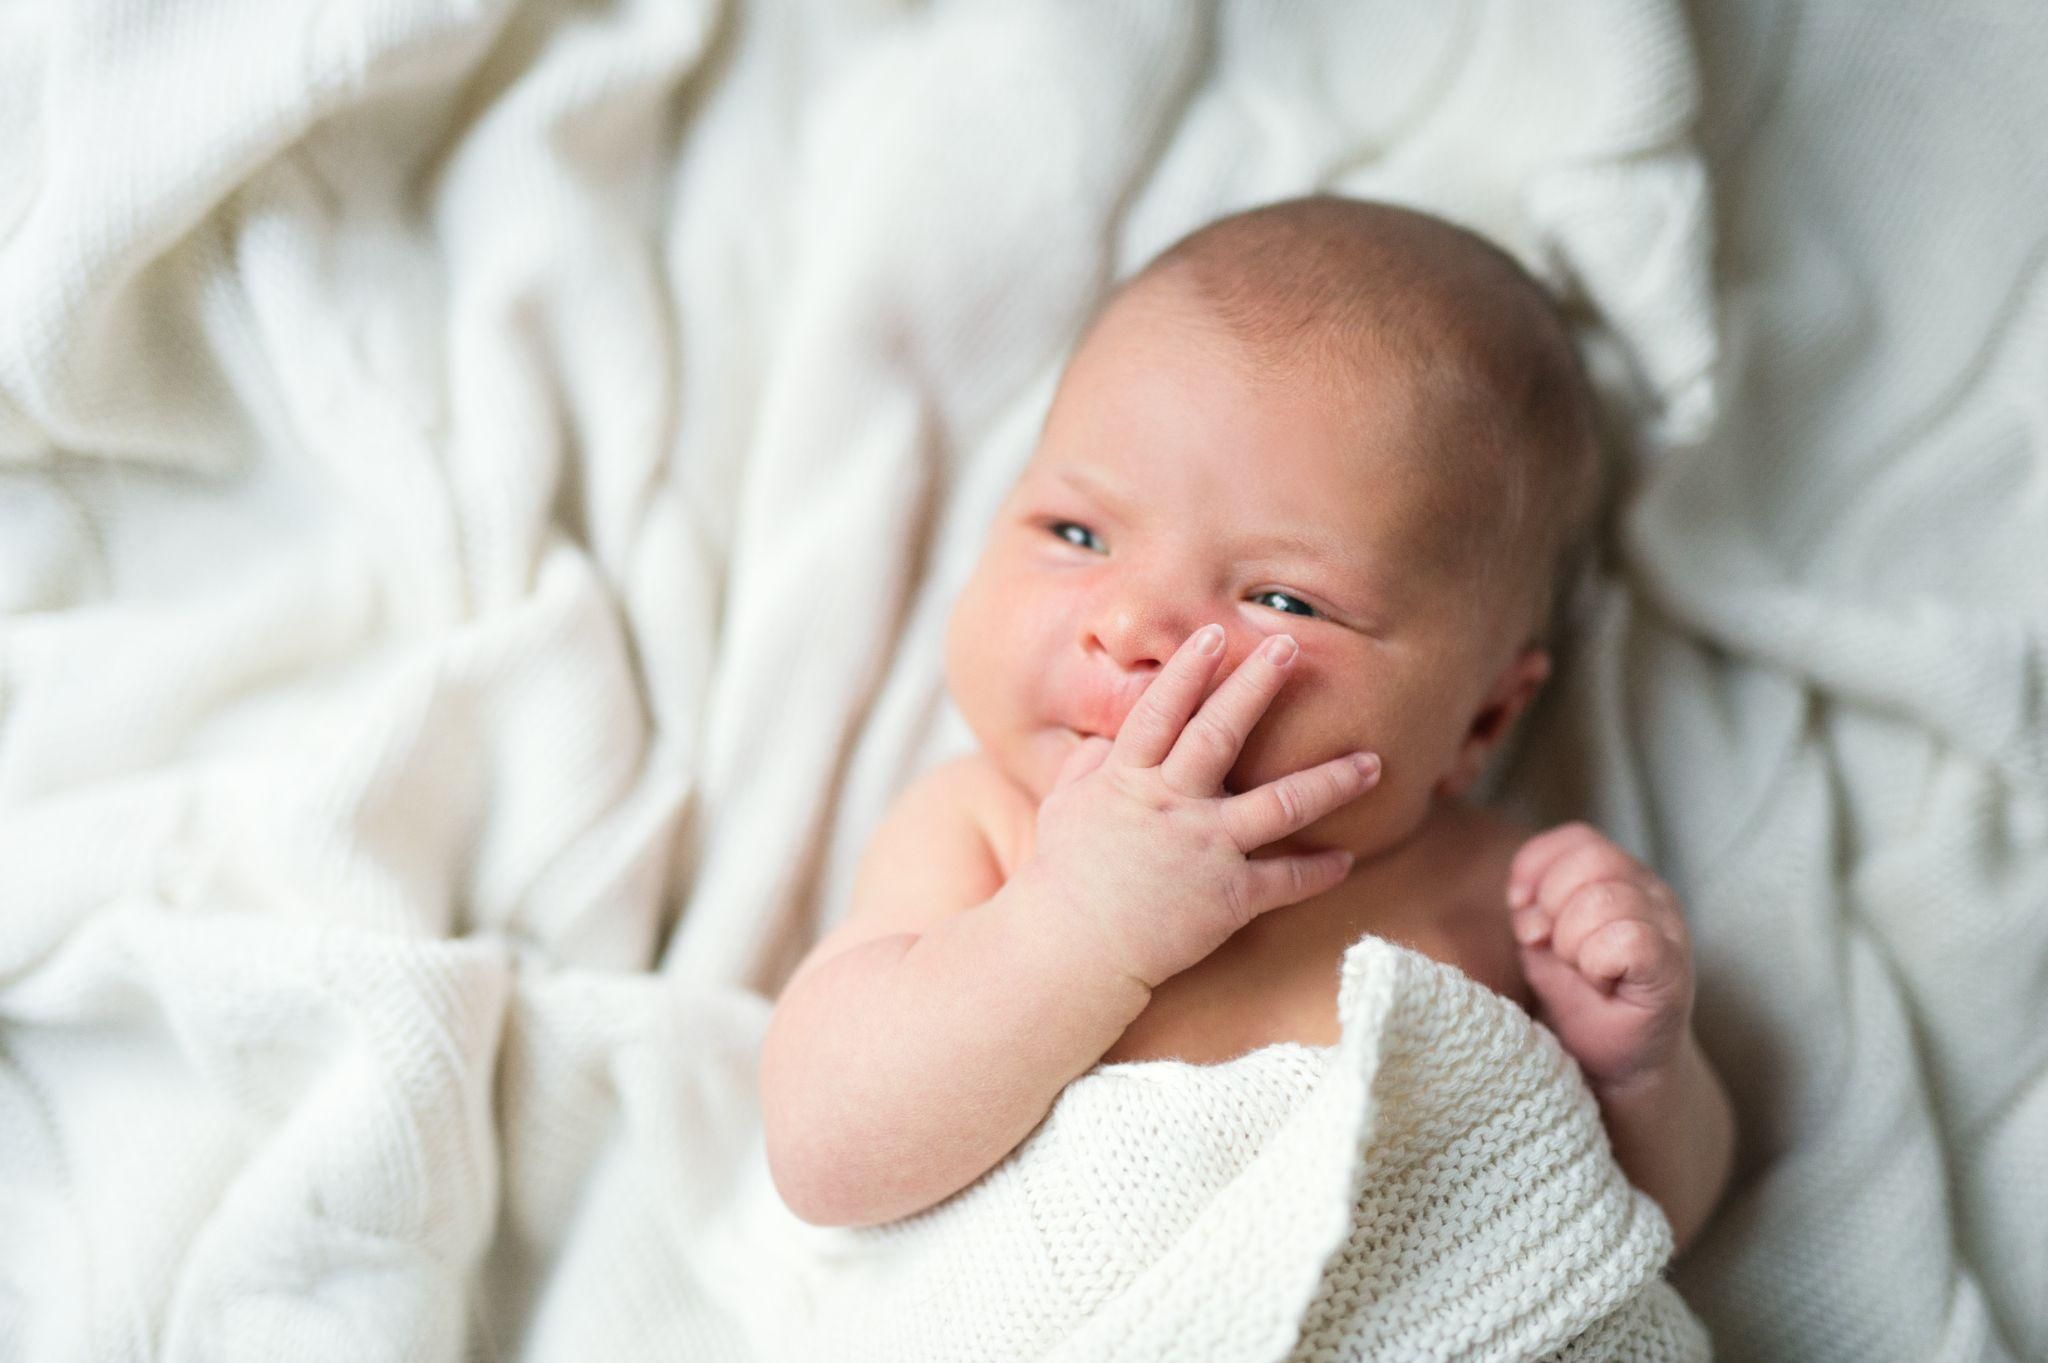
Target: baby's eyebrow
[1325,548]
[1087,482]
[1302,544]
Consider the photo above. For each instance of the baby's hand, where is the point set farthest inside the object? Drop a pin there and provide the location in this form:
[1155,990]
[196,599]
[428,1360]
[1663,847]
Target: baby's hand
[1605,950]
[1136,847]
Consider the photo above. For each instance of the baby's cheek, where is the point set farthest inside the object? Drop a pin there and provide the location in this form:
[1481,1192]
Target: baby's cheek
[975,668]
[1300,729]
[960,632]
[1315,719]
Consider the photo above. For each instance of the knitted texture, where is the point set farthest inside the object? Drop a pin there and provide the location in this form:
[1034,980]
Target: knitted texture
[1436,1185]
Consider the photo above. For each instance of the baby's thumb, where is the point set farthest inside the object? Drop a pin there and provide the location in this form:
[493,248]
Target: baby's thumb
[1086,757]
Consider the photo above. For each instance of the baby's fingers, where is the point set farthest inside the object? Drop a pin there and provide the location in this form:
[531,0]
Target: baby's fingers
[1149,730]
[1539,856]
[1210,744]
[1275,882]
[1083,758]
[1632,960]
[1592,910]
[1291,803]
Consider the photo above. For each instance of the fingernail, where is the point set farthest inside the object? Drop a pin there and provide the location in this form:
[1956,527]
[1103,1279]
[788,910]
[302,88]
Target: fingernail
[1279,648]
[1208,638]
[1368,764]
[1528,927]
[1518,896]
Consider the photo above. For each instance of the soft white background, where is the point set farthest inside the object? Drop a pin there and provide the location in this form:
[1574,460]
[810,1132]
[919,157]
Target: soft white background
[481,485]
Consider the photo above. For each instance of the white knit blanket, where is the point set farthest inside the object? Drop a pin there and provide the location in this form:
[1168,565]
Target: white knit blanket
[481,484]
[1435,1186]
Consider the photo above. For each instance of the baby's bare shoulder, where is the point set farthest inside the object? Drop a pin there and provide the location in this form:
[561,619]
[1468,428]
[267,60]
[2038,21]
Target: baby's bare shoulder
[1485,843]
[961,799]
[931,856]
[1004,811]
[1450,903]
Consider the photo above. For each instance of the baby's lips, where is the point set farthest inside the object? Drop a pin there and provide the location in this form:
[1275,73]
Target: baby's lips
[1095,712]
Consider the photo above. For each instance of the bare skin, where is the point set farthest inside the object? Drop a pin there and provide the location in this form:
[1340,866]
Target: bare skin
[974,1016]
[1276,979]
[1149,856]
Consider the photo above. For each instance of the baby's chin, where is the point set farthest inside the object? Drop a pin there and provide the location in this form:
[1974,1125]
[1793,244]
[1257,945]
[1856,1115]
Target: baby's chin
[1037,766]
[1050,750]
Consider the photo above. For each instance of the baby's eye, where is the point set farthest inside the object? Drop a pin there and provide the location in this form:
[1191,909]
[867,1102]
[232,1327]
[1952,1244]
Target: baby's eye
[1079,537]
[1306,609]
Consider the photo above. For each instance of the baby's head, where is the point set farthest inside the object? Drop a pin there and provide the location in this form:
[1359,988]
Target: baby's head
[1350,423]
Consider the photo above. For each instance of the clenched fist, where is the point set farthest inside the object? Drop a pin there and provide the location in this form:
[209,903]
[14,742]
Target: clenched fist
[1605,950]
[1139,849]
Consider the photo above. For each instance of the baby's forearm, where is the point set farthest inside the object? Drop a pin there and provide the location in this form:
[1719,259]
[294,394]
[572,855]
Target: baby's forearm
[900,1071]
[1673,1132]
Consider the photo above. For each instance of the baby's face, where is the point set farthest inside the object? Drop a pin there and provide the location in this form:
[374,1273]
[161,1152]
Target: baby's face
[1174,485]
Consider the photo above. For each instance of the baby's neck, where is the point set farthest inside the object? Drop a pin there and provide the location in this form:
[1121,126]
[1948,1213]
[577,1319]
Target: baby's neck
[1410,888]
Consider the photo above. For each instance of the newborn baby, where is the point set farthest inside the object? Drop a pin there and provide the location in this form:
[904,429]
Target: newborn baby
[1274,586]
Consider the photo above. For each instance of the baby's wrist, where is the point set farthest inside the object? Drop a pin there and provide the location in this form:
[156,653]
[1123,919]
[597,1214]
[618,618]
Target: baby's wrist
[1673,1132]
[1655,1079]
[1094,966]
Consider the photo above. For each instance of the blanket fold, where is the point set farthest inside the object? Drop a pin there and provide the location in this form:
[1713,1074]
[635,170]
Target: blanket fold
[1436,1185]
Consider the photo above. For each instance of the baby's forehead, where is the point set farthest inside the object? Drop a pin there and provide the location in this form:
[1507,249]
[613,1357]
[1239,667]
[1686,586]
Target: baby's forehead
[1429,339]
[1414,328]
[1411,328]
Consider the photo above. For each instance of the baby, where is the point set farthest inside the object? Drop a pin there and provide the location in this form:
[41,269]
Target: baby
[1331,447]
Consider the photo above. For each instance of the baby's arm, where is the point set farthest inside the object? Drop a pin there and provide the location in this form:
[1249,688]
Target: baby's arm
[1673,1132]
[1606,952]
[925,1043]
[921,1041]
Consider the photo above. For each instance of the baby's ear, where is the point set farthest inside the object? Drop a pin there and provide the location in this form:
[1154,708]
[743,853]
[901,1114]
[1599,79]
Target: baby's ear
[1506,699]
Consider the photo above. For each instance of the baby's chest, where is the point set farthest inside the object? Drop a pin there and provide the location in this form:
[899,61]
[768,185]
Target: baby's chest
[1231,1004]
[1240,1000]
[1213,1013]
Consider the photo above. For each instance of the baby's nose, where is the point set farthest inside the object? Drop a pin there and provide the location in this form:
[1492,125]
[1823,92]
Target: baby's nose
[1140,641]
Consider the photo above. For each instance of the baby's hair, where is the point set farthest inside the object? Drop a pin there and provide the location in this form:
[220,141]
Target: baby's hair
[1321,287]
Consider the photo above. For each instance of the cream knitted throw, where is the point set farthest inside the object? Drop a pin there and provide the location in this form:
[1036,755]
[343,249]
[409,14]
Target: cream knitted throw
[1437,1185]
